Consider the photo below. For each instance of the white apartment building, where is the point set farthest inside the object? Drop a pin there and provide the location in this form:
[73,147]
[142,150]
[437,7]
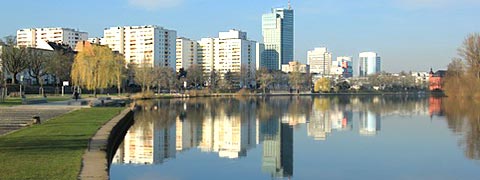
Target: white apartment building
[143,45]
[186,53]
[35,36]
[229,52]
[320,61]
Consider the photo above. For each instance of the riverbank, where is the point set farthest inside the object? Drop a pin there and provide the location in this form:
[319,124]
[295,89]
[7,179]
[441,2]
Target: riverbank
[140,96]
[52,150]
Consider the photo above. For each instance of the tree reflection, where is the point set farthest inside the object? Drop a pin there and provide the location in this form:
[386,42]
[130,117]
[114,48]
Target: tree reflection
[463,117]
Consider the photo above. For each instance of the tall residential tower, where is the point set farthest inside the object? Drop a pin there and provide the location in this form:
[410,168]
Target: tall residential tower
[143,45]
[35,37]
[278,37]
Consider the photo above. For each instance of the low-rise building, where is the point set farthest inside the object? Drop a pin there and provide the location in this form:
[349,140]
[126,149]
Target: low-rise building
[436,80]
[342,67]
[296,66]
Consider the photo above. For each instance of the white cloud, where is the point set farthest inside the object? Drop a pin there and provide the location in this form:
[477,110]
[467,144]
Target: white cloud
[155,4]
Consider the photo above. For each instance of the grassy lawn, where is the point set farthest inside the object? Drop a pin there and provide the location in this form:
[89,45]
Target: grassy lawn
[54,149]
[18,101]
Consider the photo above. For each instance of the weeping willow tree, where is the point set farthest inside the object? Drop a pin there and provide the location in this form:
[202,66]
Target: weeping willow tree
[94,67]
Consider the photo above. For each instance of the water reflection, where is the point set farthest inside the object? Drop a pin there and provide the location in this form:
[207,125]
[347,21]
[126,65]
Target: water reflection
[463,118]
[230,128]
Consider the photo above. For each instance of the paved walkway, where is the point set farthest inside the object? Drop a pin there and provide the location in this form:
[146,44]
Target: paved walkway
[17,117]
[95,163]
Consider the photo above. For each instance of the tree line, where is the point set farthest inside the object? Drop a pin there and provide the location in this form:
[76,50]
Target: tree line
[463,73]
[38,64]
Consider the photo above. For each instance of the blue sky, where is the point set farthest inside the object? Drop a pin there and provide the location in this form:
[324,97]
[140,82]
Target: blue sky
[408,34]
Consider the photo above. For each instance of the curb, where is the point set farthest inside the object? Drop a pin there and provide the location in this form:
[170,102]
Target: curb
[101,147]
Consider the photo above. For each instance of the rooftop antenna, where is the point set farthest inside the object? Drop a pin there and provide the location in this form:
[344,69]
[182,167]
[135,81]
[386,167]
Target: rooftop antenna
[289,5]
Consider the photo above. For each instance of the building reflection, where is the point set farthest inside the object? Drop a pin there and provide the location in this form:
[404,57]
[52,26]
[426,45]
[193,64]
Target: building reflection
[277,159]
[435,106]
[369,123]
[231,127]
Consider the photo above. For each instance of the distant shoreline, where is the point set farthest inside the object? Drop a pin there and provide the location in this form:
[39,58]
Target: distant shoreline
[171,96]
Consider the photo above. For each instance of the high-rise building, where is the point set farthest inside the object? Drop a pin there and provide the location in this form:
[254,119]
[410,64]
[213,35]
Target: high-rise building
[259,50]
[370,63]
[320,61]
[34,36]
[143,45]
[230,52]
[186,53]
[342,67]
[278,37]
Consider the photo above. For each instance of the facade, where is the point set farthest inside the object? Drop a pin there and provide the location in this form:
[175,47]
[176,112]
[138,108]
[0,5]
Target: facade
[260,48]
[320,61]
[278,37]
[296,66]
[143,45]
[436,80]
[186,53]
[342,67]
[95,40]
[370,63]
[421,78]
[228,53]
[35,36]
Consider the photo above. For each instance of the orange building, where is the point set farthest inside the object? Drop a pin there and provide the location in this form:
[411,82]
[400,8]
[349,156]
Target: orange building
[436,80]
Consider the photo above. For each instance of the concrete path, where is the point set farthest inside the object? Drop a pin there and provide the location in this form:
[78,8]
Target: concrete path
[95,163]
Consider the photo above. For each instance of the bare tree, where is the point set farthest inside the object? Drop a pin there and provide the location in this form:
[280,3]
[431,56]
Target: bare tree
[14,59]
[470,52]
[195,75]
[59,65]
[145,76]
[165,77]
[37,66]
[264,78]
[214,79]
[296,80]
[226,83]
[279,78]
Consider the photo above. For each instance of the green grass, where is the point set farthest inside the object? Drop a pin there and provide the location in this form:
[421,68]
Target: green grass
[52,150]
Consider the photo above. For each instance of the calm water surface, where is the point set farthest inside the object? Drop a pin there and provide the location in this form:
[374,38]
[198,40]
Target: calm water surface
[302,138]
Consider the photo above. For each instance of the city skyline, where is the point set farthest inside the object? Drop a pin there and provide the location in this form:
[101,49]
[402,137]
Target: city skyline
[391,28]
